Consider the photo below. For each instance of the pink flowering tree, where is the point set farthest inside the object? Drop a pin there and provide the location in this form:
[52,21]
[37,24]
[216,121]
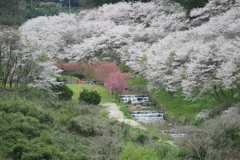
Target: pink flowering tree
[71,69]
[104,69]
[88,71]
[116,83]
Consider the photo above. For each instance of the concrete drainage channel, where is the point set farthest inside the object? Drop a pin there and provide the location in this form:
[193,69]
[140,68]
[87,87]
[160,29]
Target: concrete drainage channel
[143,109]
[136,100]
[148,116]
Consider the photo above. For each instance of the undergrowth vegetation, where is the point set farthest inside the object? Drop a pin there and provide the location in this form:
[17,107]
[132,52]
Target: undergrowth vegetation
[35,125]
[40,127]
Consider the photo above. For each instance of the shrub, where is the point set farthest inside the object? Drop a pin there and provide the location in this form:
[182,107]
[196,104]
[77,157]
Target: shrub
[202,116]
[85,126]
[63,92]
[141,138]
[140,153]
[46,118]
[89,97]
[165,151]
[197,142]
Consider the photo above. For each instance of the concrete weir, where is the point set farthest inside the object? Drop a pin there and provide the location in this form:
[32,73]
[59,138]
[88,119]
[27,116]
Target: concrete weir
[148,116]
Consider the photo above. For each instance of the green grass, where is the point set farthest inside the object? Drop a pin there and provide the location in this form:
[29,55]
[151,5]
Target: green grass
[106,97]
[77,88]
[73,79]
[178,107]
[138,82]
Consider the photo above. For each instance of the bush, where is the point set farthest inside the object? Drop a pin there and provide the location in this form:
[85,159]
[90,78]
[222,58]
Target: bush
[89,97]
[85,126]
[167,152]
[63,92]
[139,153]
[141,138]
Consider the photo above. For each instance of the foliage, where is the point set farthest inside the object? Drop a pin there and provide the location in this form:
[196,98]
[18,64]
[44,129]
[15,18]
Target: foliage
[21,66]
[167,152]
[1,70]
[190,4]
[88,71]
[168,56]
[42,11]
[141,153]
[215,139]
[116,83]
[104,69]
[178,107]
[125,111]
[21,130]
[62,91]
[195,57]
[71,69]
[202,116]
[43,128]
[89,97]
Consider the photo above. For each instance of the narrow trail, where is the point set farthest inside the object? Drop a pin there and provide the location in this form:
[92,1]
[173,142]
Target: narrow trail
[115,113]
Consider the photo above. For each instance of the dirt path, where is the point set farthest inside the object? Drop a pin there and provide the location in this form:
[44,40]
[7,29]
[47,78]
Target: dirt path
[115,113]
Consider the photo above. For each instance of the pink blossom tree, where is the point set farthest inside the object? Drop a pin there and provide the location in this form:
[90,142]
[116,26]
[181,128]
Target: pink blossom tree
[104,69]
[116,83]
[88,71]
[72,68]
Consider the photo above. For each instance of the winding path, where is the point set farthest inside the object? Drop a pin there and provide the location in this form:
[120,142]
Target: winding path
[115,113]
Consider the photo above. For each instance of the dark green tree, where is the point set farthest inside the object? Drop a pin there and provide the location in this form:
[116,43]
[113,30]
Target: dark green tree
[89,97]
[190,4]
[63,92]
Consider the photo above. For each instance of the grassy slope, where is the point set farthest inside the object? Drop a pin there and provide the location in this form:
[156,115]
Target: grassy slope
[176,106]
[77,88]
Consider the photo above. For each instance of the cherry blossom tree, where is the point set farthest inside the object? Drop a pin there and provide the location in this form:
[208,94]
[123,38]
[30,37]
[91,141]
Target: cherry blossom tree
[104,69]
[9,54]
[88,71]
[201,15]
[116,83]
[23,64]
[71,68]
[156,40]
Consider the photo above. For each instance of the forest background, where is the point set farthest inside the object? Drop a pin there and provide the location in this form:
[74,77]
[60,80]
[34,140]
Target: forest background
[15,12]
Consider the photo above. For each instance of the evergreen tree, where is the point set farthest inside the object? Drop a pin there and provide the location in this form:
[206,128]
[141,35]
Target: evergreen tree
[63,92]
[89,97]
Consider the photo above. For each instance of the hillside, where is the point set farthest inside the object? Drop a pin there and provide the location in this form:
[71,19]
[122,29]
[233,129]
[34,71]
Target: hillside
[188,58]
[156,40]
[36,126]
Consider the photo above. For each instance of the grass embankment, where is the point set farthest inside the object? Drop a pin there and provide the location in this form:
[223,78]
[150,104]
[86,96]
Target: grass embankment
[180,108]
[77,88]
[175,106]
